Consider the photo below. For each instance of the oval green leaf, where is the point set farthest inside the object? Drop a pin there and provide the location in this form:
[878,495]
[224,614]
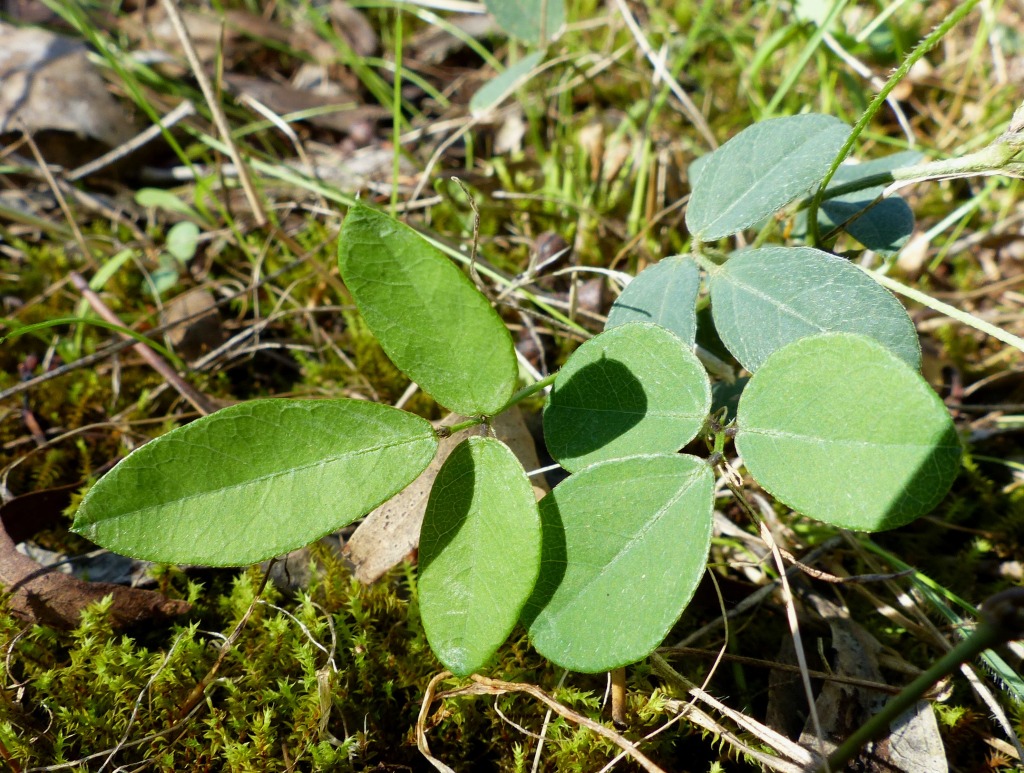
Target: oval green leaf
[666,294]
[429,318]
[532,21]
[765,298]
[479,553]
[625,545]
[182,241]
[759,171]
[840,429]
[633,389]
[255,480]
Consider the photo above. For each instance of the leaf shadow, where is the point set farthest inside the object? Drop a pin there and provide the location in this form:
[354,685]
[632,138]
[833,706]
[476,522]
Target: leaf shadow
[448,508]
[598,404]
[553,560]
[926,487]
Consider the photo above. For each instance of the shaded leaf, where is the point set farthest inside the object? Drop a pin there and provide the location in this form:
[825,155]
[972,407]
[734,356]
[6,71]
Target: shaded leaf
[255,480]
[840,429]
[624,547]
[392,531]
[634,389]
[427,315]
[479,553]
[532,21]
[666,294]
[883,226]
[763,299]
[759,171]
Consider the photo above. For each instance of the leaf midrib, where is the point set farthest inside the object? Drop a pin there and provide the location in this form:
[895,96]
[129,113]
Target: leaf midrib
[136,513]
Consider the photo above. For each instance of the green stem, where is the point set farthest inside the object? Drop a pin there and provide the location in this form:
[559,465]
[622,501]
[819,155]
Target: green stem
[518,397]
[1002,620]
[125,331]
[532,389]
[944,308]
[916,55]
[443,432]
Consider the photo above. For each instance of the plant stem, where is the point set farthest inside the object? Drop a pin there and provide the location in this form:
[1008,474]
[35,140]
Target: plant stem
[443,432]
[944,308]
[1002,620]
[532,389]
[918,53]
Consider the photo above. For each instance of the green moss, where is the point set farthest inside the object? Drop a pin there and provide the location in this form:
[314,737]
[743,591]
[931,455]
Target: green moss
[328,679]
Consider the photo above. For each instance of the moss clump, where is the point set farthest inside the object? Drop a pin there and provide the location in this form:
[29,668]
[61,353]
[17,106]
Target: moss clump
[328,679]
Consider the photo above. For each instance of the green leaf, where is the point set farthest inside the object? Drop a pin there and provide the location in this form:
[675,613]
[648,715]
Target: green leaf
[532,21]
[759,171]
[182,240]
[158,198]
[625,545]
[479,553]
[427,315]
[884,226]
[666,294]
[840,429]
[634,389]
[496,90]
[763,299]
[255,480]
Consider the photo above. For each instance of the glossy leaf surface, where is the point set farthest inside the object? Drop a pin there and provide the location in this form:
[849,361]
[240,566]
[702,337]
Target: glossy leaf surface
[765,298]
[427,315]
[759,171]
[479,553]
[633,389]
[666,294]
[840,429]
[255,480]
[625,545]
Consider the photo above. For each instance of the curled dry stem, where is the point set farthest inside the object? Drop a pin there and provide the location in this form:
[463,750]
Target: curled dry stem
[484,686]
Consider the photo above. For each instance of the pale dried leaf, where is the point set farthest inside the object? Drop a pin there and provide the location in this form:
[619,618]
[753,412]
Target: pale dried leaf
[355,28]
[48,84]
[200,328]
[914,745]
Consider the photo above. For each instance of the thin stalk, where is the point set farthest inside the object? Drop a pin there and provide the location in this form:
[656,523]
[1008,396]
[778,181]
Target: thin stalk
[1002,620]
[532,389]
[916,55]
[944,308]
[396,114]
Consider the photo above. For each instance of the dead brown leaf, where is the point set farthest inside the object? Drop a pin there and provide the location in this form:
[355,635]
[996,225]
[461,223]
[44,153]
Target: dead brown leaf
[39,595]
[392,531]
[49,88]
[913,745]
[202,332]
[355,28]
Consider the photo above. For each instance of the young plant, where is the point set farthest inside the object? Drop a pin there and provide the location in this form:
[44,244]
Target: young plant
[835,422]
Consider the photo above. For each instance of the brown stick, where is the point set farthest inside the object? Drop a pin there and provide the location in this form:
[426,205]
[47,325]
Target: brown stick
[618,676]
[200,689]
[186,390]
[174,16]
